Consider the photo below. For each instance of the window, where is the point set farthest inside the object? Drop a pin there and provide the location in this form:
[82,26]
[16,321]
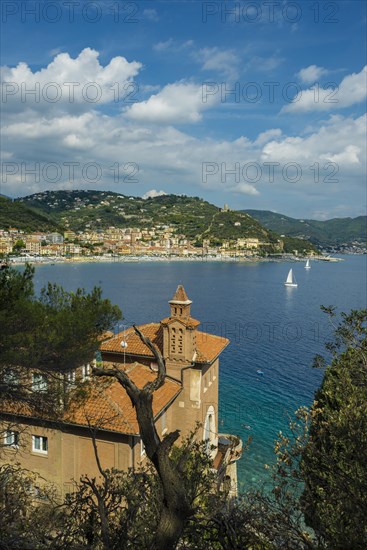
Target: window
[11,378]
[39,444]
[86,370]
[39,382]
[11,438]
[164,422]
[142,448]
[70,377]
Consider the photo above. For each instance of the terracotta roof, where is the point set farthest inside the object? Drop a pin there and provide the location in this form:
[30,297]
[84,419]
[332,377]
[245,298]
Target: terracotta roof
[135,346]
[109,407]
[106,404]
[209,346]
[180,295]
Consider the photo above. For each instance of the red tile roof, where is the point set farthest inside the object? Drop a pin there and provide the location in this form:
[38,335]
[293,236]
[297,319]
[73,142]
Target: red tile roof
[209,346]
[108,406]
[135,346]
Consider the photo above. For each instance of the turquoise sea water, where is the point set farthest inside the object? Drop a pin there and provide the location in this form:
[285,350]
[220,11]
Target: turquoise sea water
[272,328]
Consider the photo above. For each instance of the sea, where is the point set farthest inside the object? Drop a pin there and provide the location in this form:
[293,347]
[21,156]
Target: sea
[266,372]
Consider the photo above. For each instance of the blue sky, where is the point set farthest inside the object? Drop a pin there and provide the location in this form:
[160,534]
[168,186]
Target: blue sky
[135,97]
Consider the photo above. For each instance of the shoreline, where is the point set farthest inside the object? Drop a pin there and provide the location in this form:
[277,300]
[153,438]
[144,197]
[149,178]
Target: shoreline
[146,259]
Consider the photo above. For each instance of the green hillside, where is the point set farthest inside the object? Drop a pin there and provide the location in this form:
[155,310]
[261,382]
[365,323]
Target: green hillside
[20,216]
[191,216]
[330,232]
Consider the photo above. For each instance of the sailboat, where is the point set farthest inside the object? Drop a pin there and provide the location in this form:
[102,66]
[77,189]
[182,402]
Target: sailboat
[291,281]
[307,266]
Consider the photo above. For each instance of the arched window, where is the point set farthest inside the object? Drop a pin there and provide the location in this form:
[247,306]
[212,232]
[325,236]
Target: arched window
[210,435]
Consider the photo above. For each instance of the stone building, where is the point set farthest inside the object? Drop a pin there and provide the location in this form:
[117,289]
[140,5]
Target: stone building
[62,450]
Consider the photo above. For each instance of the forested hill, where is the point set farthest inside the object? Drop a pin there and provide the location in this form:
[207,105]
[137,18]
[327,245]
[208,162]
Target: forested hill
[324,233]
[193,217]
[17,215]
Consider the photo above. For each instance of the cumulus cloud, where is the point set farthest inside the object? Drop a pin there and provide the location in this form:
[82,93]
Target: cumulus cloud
[170,156]
[311,74]
[352,90]
[67,81]
[132,152]
[175,103]
[268,135]
[153,193]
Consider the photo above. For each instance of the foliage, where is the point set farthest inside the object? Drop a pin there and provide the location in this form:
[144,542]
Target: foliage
[325,233]
[28,509]
[191,216]
[334,465]
[17,215]
[53,333]
[121,510]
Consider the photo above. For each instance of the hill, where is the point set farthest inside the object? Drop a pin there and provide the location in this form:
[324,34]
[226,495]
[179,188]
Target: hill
[322,233]
[20,216]
[191,216]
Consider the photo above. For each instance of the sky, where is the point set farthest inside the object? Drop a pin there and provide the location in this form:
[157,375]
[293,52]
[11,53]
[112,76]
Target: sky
[256,104]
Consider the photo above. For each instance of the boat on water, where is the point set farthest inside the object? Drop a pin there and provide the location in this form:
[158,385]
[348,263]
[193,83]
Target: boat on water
[291,280]
[308,266]
[259,372]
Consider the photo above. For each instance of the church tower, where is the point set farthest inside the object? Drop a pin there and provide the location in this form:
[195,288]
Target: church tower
[179,331]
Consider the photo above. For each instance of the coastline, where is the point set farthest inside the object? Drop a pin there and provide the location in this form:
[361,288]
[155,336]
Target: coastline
[22,260]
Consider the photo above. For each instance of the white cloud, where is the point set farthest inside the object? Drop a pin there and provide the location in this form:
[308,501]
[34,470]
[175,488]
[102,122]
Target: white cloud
[67,82]
[311,74]
[174,159]
[171,45]
[268,135]
[164,45]
[352,90]
[153,193]
[350,155]
[245,189]
[175,103]
[224,62]
[264,64]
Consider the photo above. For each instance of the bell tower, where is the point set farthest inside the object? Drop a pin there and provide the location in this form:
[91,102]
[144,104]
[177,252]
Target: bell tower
[179,330]
[180,304]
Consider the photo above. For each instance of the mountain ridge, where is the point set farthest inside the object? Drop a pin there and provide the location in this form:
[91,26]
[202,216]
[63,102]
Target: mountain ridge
[332,232]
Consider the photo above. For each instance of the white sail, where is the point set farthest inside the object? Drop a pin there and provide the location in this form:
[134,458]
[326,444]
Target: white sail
[291,281]
[307,266]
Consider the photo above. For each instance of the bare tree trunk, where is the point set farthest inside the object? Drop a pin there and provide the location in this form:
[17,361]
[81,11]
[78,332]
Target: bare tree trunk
[176,505]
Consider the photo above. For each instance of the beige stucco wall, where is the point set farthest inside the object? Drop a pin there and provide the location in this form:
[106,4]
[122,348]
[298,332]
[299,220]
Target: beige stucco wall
[70,454]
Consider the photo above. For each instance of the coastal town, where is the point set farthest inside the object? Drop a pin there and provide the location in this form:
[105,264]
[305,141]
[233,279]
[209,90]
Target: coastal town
[114,242]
